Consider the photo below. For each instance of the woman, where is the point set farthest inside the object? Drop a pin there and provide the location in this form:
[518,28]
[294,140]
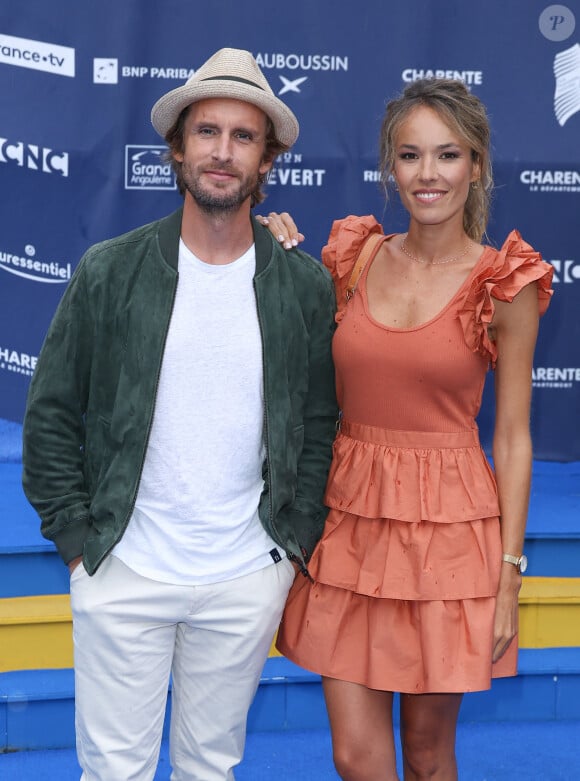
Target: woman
[415,581]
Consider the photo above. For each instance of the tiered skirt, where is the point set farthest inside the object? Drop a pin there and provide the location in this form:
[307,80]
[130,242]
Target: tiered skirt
[406,572]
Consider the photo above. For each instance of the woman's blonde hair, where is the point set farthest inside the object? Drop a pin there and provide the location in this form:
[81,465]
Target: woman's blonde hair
[466,116]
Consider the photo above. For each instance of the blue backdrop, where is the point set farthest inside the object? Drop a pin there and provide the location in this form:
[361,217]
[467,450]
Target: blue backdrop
[80,161]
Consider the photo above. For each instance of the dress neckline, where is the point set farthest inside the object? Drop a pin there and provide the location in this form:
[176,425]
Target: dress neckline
[466,282]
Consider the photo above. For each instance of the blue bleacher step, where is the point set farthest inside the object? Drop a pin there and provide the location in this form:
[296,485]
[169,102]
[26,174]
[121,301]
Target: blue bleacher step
[29,564]
[553,530]
[37,707]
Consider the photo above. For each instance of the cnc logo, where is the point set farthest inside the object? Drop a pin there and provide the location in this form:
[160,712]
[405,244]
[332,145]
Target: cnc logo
[555,376]
[288,170]
[29,267]
[469,77]
[37,55]
[145,168]
[17,362]
[566,271]
[33,157]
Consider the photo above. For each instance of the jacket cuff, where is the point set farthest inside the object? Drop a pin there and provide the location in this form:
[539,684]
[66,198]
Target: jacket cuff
[305,530]
[70,541]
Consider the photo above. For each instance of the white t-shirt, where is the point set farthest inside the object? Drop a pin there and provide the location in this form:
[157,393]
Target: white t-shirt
[196,519]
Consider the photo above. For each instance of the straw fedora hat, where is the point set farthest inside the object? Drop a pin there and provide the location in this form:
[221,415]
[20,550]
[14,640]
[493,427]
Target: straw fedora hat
[229,73]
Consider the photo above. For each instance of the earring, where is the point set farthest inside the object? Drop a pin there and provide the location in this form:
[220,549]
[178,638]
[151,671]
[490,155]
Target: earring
[475,185]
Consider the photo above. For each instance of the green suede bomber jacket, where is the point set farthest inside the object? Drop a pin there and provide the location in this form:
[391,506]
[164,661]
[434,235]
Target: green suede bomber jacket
[92,397]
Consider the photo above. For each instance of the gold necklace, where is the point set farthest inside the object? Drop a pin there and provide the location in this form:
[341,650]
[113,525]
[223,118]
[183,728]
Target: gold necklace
[435,262]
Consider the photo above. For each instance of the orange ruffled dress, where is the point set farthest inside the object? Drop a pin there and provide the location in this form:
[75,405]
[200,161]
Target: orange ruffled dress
[406,572]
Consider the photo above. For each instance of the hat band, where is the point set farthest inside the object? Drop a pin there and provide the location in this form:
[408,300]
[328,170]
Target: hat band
[233,78]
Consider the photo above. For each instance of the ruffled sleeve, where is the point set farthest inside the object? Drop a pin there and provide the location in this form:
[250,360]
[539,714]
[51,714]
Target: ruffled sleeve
[502,277]
[339,255]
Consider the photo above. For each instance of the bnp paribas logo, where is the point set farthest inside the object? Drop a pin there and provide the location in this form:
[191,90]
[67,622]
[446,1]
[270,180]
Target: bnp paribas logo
[557,23]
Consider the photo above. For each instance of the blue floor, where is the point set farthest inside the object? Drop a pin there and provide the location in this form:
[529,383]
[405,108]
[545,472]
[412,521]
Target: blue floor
[545,751]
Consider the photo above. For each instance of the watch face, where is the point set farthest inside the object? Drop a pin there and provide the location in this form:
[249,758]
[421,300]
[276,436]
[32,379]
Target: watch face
[523,564]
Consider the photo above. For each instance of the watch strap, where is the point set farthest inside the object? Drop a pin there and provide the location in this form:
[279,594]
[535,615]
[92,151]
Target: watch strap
[515,560]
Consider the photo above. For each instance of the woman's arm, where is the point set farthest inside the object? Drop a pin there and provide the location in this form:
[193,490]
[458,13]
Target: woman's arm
[514,329]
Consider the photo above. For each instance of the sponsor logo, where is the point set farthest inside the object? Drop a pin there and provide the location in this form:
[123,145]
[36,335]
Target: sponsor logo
[557,181]
[555,377]
[33,157]
[469,77]
[140,72]
[303,62]
[106,70]
[566,271]
[37,55]
[567,90]
[291,85]
[371,175]
[299,62]
[145,168]
[15,361]
[289,171]
[29,267]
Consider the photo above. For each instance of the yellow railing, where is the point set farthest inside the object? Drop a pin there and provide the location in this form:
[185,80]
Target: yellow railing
[36,632]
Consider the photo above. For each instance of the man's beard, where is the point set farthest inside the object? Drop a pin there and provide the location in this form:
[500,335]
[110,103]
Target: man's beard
[214,202]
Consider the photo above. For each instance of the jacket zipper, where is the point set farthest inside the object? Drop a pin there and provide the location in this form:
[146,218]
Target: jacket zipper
[266,425]
[291,556]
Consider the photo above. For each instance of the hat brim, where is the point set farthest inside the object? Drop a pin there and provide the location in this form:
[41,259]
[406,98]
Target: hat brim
[166,111]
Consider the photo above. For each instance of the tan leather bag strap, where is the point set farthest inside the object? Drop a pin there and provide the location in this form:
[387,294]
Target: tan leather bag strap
[368,250]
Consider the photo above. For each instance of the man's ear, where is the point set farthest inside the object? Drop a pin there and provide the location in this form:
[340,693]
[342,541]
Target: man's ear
[265,166]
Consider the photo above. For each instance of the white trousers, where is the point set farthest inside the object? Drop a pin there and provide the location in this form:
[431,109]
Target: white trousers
[130,633]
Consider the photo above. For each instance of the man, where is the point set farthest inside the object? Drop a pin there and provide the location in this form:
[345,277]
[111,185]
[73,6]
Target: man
[177,440]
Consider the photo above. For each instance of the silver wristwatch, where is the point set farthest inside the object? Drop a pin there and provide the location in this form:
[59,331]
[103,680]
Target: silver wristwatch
[519,562]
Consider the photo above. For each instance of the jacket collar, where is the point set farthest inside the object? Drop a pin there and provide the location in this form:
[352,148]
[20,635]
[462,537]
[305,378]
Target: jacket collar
[264,242]
[170,231]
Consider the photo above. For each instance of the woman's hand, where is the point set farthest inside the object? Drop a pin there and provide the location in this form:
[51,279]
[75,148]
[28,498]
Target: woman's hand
[506,610]
[283,228]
